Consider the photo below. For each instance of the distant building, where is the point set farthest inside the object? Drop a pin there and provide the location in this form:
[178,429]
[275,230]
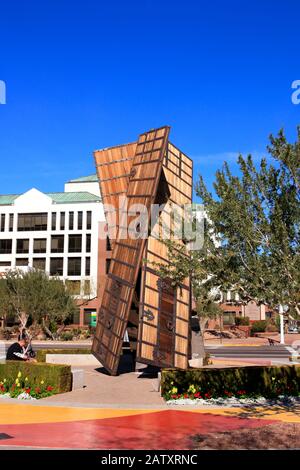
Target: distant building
[57,233]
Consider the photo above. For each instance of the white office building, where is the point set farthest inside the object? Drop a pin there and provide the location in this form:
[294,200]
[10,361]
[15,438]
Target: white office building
[55,232]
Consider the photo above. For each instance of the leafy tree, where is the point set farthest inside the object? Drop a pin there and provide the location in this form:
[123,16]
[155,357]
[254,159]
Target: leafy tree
[34,295]
[251,234]
[189,264]
[255,220]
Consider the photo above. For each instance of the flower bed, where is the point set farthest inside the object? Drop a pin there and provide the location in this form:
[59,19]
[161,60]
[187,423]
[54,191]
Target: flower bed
[33,380]
[240,382]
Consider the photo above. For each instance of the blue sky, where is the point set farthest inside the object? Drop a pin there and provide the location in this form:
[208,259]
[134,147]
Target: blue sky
[89,74]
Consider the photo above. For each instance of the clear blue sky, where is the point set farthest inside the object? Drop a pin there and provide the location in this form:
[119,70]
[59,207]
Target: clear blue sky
[83,75]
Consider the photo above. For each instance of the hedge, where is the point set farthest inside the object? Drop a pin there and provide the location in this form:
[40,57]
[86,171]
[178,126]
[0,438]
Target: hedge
[59,376]
[41,353]
[232,381]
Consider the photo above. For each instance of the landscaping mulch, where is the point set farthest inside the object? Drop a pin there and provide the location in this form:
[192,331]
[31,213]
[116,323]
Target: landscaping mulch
[272,436]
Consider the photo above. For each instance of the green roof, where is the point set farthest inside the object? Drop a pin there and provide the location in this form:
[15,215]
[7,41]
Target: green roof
[7,199]
[66,198]
[85,179]
[57,198]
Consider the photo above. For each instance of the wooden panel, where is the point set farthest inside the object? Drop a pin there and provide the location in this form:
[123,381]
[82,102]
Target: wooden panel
[122,276]
[113,170]
[164,337]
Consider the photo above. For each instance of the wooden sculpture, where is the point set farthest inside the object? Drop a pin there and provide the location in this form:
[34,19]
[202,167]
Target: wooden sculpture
[155,315]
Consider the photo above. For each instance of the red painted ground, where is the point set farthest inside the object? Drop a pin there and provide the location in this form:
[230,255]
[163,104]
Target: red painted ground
[169,429]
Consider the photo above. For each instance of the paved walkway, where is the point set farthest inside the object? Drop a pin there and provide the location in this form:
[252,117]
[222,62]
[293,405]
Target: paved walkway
[140,388]
[39,426]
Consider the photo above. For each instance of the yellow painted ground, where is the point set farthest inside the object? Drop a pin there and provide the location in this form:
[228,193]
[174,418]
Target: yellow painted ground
[275,414]
[233,362]
[252,345]
[28,414]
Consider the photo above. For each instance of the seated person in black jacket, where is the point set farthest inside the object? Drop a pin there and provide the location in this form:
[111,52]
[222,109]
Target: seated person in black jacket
[16,351]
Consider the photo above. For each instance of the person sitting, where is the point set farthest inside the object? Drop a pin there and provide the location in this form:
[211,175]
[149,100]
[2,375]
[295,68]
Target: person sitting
[16,351]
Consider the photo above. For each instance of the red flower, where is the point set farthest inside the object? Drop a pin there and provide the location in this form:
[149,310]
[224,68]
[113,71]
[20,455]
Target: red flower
[197,395]
[49,388]
[37,390]
[185,395]
[27,390]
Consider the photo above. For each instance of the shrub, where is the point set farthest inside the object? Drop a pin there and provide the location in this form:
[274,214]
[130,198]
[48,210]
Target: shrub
[251,381]
[67,336]
[5,333]
[242,321]
[39,380]
[271,328]
[41,353]
[259,326]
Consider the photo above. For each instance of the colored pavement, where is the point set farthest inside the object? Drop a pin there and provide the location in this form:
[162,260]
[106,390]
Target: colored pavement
[27,425]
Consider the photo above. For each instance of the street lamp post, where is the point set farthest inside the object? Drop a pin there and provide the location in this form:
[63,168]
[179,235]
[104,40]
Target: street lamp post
[281,312]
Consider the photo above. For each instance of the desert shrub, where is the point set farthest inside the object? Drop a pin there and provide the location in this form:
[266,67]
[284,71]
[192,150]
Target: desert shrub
[242,321]
[67,336]
[271,328]
[258,326]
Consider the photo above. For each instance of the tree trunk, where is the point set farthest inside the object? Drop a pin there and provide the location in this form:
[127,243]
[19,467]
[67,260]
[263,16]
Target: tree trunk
[198,350]
[49,333]
[23,317]
[202,324]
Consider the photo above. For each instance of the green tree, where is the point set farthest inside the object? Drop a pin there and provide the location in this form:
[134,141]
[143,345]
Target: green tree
[190,264]
[251,234]
[34,295]
[255,220]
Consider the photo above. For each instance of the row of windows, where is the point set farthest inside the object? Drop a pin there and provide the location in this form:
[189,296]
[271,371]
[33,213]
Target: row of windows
[87,312]
[39,221]
[56,265]
[40,244]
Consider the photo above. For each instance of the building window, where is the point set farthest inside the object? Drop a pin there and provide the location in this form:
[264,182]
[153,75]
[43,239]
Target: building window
[32,222]
[2,223]
[79,221]
[4,264]
[53,221]
[74,287]
[5,247]
[87,266]
[228,318]
[62,220]
[107,265]
[75,243]
[76,317]
[87,316]
[108,245]
[56,266]
[57,244]
[22,262]
[11,222]
[39,245]
[71,220]
[74,266]
[88,243]
[39,263]
[87,287]
[89,220]
[23,246]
